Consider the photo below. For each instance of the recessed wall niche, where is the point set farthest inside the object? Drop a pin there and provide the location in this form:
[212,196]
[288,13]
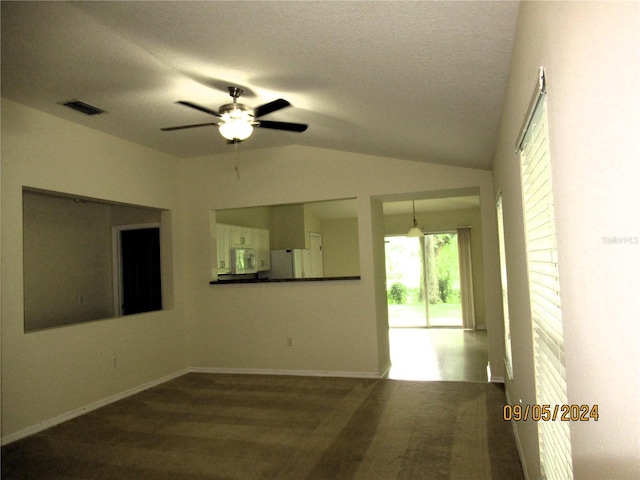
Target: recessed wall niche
[87,259]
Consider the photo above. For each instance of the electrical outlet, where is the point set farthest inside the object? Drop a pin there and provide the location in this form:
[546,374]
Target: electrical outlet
[289,341]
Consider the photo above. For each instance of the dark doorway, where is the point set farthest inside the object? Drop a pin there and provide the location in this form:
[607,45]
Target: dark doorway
[141,274]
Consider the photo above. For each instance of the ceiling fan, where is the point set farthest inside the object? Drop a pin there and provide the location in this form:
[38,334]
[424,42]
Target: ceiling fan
[237,120]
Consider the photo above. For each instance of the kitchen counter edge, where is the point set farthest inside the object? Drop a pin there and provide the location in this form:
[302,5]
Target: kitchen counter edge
[280,280]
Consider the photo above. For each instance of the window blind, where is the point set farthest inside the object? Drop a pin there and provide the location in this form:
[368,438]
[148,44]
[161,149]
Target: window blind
[544,289]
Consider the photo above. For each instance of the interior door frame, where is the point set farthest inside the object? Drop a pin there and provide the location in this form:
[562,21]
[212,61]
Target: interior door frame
[116,243]
[316,256]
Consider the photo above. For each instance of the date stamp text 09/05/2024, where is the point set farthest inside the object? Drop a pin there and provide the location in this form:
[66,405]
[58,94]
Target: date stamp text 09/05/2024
[545,413]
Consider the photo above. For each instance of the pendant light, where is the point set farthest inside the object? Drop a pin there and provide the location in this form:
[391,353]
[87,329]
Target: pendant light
[415,230]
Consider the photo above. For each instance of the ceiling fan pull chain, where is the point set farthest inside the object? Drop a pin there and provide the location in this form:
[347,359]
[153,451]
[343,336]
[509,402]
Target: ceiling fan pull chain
[235,143]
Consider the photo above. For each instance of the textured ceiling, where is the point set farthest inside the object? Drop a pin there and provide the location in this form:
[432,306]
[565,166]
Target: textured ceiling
[422,81]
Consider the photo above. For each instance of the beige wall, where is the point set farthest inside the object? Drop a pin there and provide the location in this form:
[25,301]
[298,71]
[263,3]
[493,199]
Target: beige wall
[340,247]
[52,373]
[336,326]
[67,261]
[375,242]
[590,51]
[259,217]
[288,222]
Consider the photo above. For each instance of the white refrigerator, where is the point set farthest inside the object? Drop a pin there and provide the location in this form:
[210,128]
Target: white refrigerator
[289,263]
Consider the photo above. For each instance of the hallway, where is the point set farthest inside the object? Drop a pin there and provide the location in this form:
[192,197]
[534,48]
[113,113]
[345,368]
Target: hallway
[438,354]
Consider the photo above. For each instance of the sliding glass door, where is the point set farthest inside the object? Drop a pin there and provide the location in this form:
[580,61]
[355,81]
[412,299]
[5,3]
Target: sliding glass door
[442,274]
[423,281]
[405,282]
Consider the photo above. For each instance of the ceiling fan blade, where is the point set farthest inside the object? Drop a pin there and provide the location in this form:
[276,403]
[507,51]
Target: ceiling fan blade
[199,107]
[290,127]
[270,107]
[182,127]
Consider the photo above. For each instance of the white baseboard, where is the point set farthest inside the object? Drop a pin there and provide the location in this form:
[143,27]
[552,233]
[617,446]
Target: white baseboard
[114,398]
[493,378]
[518,445]
[386,370]
[87,408]
[297,373]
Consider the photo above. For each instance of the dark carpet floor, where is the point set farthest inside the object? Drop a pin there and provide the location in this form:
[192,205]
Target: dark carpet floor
[215,426]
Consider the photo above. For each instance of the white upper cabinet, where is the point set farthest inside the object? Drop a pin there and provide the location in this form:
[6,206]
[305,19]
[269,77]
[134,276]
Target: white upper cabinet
[223,234]
[262,246]
[235,236]
[241,237]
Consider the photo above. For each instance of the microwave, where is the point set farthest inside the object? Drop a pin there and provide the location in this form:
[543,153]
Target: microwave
[243,260]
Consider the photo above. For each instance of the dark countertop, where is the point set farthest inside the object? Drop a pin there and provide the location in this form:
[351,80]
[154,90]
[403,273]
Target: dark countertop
[232,281]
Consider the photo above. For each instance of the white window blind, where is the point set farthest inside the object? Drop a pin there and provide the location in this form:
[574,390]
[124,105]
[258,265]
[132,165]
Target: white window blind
[508,362]
[544,288]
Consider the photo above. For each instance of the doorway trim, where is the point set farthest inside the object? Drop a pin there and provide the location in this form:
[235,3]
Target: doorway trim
[317,258]
[116,244]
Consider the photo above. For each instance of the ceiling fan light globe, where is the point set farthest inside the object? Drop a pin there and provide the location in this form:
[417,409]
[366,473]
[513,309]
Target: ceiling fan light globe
[235,129]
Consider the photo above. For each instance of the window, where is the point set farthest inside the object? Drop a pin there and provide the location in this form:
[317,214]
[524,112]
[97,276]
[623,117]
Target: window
[508,362]
[70,254]
[544,287]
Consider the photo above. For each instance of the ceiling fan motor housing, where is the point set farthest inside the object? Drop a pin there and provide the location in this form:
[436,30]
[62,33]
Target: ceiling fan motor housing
[235,110]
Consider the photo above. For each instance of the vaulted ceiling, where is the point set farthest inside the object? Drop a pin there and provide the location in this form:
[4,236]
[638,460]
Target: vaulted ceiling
[422,81]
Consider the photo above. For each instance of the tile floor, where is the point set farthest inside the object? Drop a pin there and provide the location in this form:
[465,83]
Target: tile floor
[438,354]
